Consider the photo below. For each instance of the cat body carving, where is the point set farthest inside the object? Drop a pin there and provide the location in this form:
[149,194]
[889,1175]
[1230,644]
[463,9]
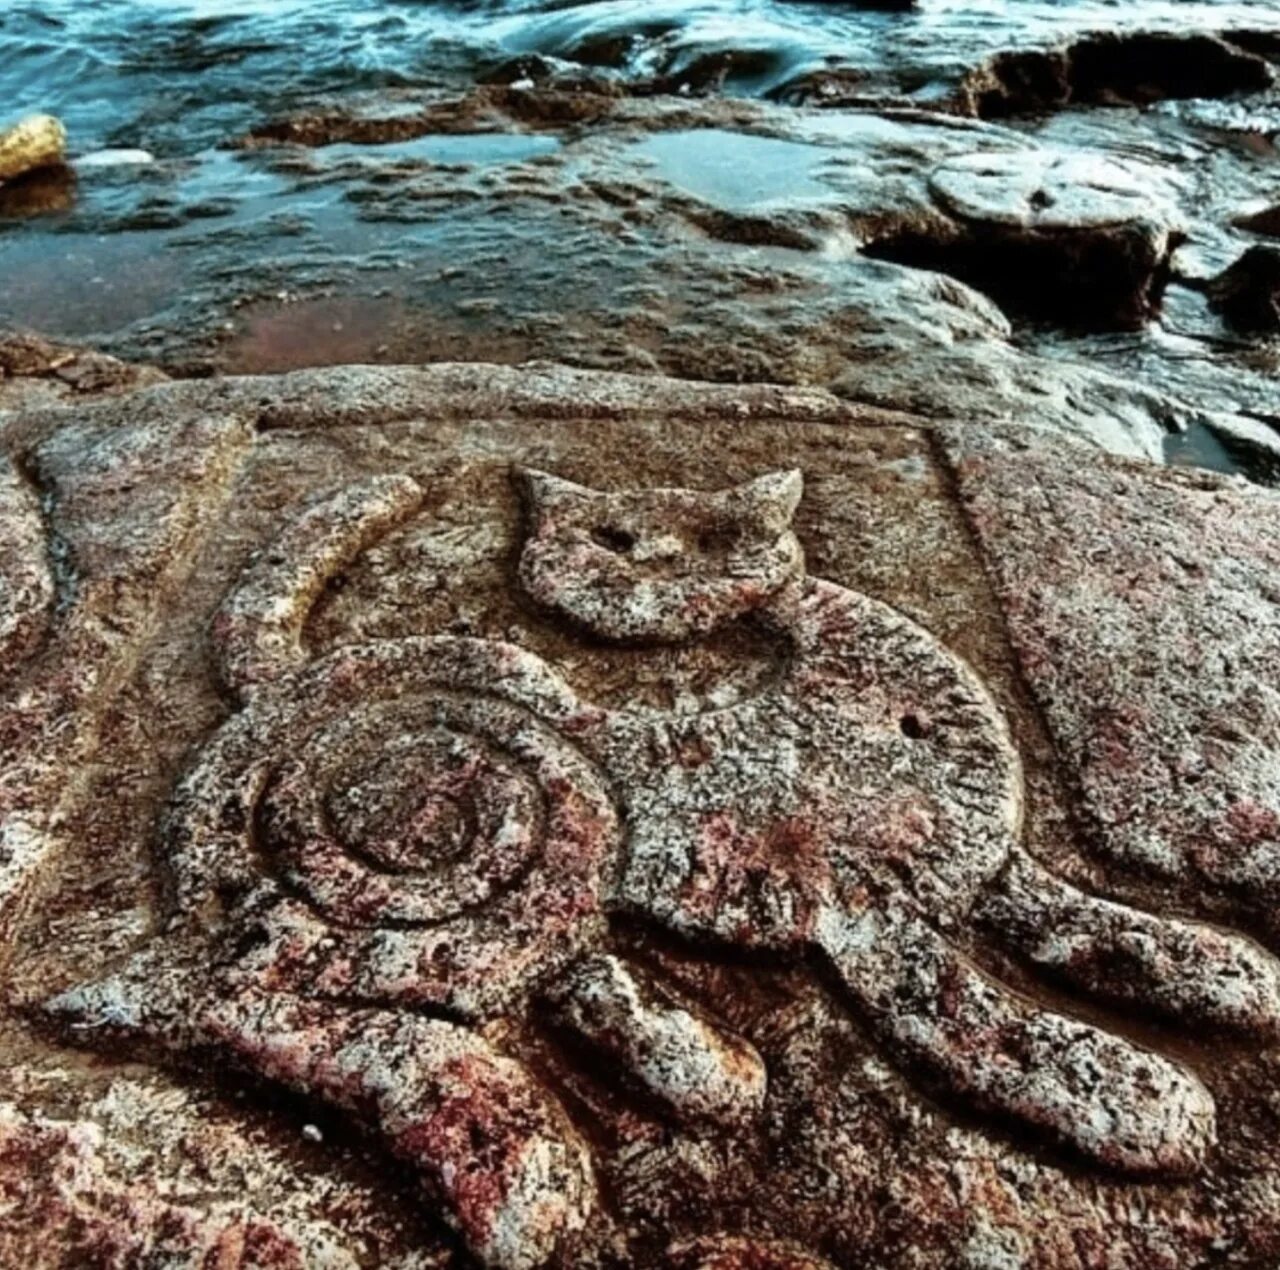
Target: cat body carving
[396,843]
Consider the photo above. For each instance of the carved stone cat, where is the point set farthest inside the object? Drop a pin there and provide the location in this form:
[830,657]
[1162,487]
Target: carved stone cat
[394,844]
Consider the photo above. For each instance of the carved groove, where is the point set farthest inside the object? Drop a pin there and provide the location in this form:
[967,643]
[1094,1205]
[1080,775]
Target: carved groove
[258,630]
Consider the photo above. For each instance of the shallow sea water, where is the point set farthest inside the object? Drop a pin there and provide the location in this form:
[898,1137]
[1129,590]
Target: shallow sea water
[177,77]
[345,245]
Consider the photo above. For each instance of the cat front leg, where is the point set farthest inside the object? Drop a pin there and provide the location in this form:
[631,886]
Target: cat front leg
[1106,1098]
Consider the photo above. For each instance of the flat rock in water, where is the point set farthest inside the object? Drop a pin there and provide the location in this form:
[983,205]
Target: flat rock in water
[1047,190]
[1049,231]
[1247,293]
[526,817]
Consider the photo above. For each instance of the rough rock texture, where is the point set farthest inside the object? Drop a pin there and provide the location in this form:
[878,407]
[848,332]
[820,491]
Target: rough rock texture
[39,141]
[1049,232]
[54,1177]
[35,371]
[712,239]
[553,819]
[1248,293]
[1157,670]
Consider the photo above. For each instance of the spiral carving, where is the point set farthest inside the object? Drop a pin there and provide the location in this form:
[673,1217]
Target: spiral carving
[415,797]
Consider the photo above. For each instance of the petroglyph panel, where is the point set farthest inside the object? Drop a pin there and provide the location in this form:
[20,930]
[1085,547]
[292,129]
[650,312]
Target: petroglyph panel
[609,817]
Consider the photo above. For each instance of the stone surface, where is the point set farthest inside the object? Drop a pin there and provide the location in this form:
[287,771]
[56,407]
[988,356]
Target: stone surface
[1157,671]
[1085,238]
[554,819]
[35,371]
[1248,292]
[39,141]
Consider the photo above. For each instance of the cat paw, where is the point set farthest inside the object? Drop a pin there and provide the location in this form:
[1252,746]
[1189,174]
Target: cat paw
[1183,970]
[693,1069]
[1108,1099]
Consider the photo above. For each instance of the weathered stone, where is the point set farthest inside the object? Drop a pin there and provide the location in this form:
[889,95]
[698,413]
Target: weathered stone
[1247,293]
[39,141]
[1156,666]
[1061,234]
[729,1253]
[35,371]
[124,510]
[698,1071]
[26,577]
[53,1178]
[613,811]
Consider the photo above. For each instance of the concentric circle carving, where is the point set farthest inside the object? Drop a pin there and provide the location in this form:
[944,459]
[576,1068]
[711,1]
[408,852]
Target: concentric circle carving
[420,798]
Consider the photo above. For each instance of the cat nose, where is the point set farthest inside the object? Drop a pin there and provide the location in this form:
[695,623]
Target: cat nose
[665,547]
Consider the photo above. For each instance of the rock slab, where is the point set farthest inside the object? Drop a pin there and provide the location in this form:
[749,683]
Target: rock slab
[559,819]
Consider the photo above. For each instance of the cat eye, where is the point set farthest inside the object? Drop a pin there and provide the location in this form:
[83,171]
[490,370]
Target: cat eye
[611,538]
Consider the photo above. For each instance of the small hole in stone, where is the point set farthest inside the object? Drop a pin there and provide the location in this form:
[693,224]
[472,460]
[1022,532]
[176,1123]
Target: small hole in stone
[611,538]
[913,727]
[1041,199]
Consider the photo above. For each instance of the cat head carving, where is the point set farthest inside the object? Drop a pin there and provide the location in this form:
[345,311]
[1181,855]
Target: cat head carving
[662,565]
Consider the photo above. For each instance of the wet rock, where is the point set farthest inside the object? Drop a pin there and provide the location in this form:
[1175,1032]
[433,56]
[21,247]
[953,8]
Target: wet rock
[1247,293]
[1146,68]
[612,810]
[39,141]
[1253,444]
[38,193]
[742,261]
[38,370]
[1069,236]
[490,108]
[1114,69]
[1266,222]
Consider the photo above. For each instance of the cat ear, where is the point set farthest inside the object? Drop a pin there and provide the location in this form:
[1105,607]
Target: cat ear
[545,494]
[770,500]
